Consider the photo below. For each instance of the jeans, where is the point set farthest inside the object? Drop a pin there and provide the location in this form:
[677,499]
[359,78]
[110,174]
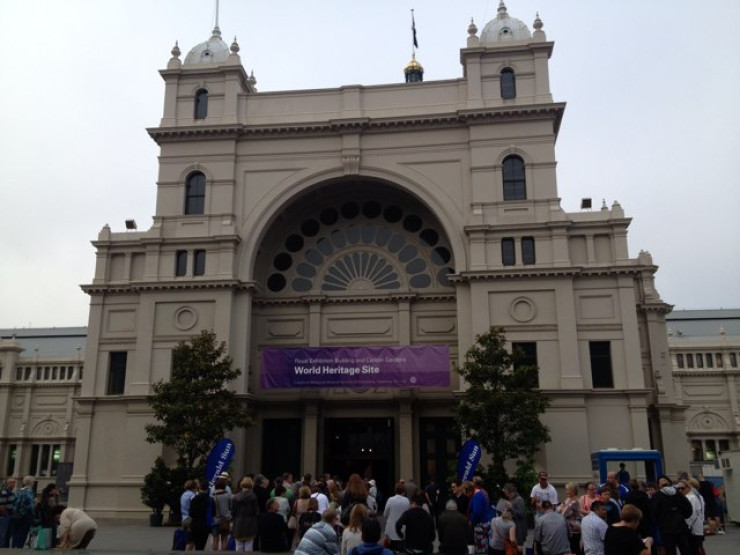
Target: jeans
[20,530]
[4,531]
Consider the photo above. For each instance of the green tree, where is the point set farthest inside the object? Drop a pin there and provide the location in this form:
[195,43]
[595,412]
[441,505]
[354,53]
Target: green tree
[502,406]
[194,408]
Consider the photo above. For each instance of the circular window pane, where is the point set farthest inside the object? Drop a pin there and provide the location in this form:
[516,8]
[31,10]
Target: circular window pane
[421,281]
[383,236]
[329,216]
[294,243]
[368,233]
[350,210]
[392,214]
[353,234]
[282,261]
[409,252]
[441,255]
[305,270]
[338,238]
[371,209]
[416,266]
[302,285]
[396,243]
[429,236]
[314,256]
[309,228]
[325,246]
[412,223]
[276,282]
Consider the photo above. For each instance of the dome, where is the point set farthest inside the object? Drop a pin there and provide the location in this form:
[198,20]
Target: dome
[504,28]
[214,50]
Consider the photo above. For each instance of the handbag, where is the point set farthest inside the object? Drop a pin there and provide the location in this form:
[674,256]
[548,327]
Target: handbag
[292,522]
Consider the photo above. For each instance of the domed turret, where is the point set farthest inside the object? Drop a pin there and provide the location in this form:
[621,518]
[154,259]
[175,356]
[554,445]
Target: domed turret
[504,28]
[413,71]
[214,50]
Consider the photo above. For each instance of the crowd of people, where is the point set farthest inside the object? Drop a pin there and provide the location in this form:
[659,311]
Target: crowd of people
[26,518]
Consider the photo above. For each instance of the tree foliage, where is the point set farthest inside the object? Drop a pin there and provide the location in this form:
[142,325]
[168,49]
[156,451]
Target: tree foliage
[502,406]
[194,408]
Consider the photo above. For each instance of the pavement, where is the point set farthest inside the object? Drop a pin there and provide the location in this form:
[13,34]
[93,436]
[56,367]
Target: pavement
[136,536]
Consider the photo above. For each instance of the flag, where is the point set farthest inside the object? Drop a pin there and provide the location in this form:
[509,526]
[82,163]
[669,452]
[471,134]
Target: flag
[413,30]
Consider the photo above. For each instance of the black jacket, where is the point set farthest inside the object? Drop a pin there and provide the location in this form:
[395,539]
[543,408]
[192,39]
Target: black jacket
[419,534]
[670,510]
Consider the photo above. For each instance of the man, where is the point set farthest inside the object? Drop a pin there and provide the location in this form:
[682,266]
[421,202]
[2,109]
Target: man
[416,528]
[550,532]
[519,511]
[394,508]
[452,529]
[370,539]
[23,506]
[431,492]
[619,491]
[76,529]
[191,489]
[623,476]
[321,538]
[543,491]
[593,529]
[458,494]
[670,511]
[272,529]
[7,498]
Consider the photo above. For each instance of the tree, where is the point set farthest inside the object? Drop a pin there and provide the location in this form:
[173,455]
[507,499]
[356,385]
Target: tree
[194,407]
[501,408]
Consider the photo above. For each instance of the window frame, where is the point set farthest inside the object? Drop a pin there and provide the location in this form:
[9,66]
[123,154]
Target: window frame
[195,194]
[117,366]
[181,263]
[514,178]
[602,367]
[199,262]
[529,254]
[507,79]
[528,355]
[508,251]
[200,104]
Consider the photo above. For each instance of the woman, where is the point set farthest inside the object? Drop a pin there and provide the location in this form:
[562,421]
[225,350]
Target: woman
[272,529]
[245,511]
[201,506]
[587,498]
[519,510]
[25,501]
[310,517]
[300,506]
[221,516]
[570,508]
[622,537]
[44,513]
[352,535]
[502,527]
[76,529]
[689,489]
[479,516]
[355,493]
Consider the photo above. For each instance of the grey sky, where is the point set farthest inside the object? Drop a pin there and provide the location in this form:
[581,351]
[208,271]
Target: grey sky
[652,119]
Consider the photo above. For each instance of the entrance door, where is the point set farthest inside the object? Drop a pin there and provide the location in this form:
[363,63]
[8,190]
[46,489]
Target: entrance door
[440,442]
[360,445]
[281,447]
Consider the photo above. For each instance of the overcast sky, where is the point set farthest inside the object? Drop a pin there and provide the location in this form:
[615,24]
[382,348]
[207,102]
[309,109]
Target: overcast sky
[652,118]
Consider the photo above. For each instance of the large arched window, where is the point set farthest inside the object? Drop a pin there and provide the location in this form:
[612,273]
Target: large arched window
[508,83]
[195,193]
[201,104]
[515,185]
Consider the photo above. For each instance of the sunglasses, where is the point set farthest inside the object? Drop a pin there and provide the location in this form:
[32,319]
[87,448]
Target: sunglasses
[681,488]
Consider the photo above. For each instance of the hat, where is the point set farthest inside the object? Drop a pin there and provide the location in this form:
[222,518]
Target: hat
[371,482]
[224,475]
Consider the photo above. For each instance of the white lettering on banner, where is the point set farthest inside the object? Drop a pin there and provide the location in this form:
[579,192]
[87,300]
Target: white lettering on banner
[336,370]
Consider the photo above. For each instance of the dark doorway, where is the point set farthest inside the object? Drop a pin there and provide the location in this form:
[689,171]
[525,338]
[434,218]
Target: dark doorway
[281,447]
[363,446]
[439,440]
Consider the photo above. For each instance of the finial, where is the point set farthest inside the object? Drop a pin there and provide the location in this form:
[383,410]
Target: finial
[234,47]
[175,51]
[472,29]
[537,22]
[502,9]
[216,31]
[603,204]
[252,80]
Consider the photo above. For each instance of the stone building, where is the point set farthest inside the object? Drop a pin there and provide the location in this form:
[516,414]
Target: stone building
[384,224]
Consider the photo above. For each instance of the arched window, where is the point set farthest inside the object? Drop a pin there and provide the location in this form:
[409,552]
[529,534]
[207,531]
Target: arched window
[201,104]
[195,193]
[508,83]
[515,185]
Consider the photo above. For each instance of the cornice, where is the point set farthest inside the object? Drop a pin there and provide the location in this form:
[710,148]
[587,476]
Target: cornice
[658,307]
[460,118]
[367,299]
[145,287]
[548,272]
[706,373]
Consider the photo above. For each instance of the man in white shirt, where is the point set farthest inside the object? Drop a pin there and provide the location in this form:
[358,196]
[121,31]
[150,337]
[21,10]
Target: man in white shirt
[593,529]
[543,491]
[394,508]
[318,490]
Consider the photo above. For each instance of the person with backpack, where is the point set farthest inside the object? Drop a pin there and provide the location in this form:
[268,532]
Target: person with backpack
[22,517]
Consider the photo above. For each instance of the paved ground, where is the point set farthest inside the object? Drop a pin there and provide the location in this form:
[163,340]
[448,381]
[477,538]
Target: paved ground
[136,536]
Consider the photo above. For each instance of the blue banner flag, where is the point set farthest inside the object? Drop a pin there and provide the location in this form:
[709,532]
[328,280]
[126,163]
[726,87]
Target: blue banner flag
[468,460]
[219,459]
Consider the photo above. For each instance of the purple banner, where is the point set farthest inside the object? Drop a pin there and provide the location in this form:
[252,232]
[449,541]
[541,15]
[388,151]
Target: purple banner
[353,367]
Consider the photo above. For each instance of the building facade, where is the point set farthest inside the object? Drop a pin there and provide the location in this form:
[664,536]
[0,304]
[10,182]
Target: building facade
[409,215]
[705,354]
[41,373]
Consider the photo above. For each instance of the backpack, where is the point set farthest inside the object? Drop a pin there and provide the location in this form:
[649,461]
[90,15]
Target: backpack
[346,511]
[21,505]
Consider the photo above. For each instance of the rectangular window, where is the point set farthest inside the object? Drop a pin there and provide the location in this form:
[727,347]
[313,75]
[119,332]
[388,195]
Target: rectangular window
[528,250]
[679,360]
[710,450]
[56,456]
[199,263]
[508,254]
[699,360]
[724,445]
[44,463]
[181,263]
[527,353]
[117,372]
[710,360]
[601,364]
[34,459]
[10,464]
[697,450]
[718,360]
[690,360]
[733,360]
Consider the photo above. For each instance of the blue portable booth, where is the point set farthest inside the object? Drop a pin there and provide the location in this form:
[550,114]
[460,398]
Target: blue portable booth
[652,459]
